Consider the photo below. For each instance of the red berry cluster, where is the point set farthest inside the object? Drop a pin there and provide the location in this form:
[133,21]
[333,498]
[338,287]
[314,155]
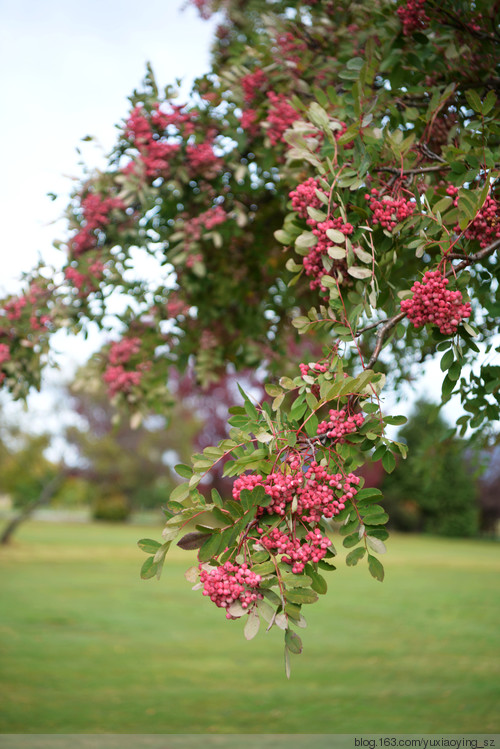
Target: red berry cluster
[253,84]
[324,493]
[280,117]
[389,211]
[486,226]
[280,486]
[96,216]
[312,369]
[339,424]
[317,491]
[313,262]
[304,196]
[229,583]
[433,303]
[117,378]
[88,281]
[413,16]
[297,552]
[4,357]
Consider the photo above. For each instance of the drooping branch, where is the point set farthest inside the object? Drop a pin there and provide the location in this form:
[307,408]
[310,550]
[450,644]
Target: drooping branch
[390,323]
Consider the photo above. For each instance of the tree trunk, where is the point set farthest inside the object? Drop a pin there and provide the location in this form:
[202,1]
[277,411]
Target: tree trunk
[44,497]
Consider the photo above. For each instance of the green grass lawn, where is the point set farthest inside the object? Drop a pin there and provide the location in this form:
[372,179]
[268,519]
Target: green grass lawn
[87,647]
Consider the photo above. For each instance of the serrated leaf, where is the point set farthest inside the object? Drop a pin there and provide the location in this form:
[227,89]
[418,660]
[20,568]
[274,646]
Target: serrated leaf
[184,471]
[336,236]
[376,568]
[306,239]
[148,545]
[354,556]
[376,544]
[180,493]
[282,236]
[293,642]
[216,498]
[351,540]
[447,360]
[252,625]
[148,569]
[210,548]
[360,273]
[389,462]
[301,595]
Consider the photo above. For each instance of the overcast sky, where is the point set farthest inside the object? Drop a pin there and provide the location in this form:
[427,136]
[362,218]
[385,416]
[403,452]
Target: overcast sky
[67,69]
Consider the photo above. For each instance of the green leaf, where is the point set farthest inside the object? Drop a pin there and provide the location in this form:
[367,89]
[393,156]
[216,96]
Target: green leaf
[149,568]
[318,583]
[360,273]
[301,595]
[282,236]
[210,548]
[266,568]
[252,625]
[473,100]
[489,102]
[380,519]
[216,498]
[293,642]
[447,360]
[376,544]
[148,545]
[354,556]
[389,462]
[351,540]
[395,420]
[180,493]
[375,567]
[184,471]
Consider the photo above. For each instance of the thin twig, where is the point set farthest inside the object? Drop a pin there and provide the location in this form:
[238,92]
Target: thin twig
[417,170]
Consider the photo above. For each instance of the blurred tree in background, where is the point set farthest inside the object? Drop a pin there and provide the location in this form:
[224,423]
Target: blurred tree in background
[437,491]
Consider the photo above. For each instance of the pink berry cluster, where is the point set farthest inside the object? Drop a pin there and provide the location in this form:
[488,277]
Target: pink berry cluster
[96,212]
[117,378]
[280,117]
[85,282]
[202,160]
[324,493]
[304,196]
[297,552]
[317,491]
[389,211]
[313,261]
[281,487]
[340,424]
[193,227]
[313,368]
[229,583]
[413,16]
[433,303]
[4,357]
[30,308]
[250,122]
[486,226]
[290,48]
[253,85]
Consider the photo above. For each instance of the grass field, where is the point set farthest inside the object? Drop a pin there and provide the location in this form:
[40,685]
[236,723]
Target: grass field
[87,647]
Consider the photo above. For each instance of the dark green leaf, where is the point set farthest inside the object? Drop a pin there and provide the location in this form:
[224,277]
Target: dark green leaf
[375,567]
[354,556]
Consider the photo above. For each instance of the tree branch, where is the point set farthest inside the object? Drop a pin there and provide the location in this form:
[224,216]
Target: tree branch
[393,321]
